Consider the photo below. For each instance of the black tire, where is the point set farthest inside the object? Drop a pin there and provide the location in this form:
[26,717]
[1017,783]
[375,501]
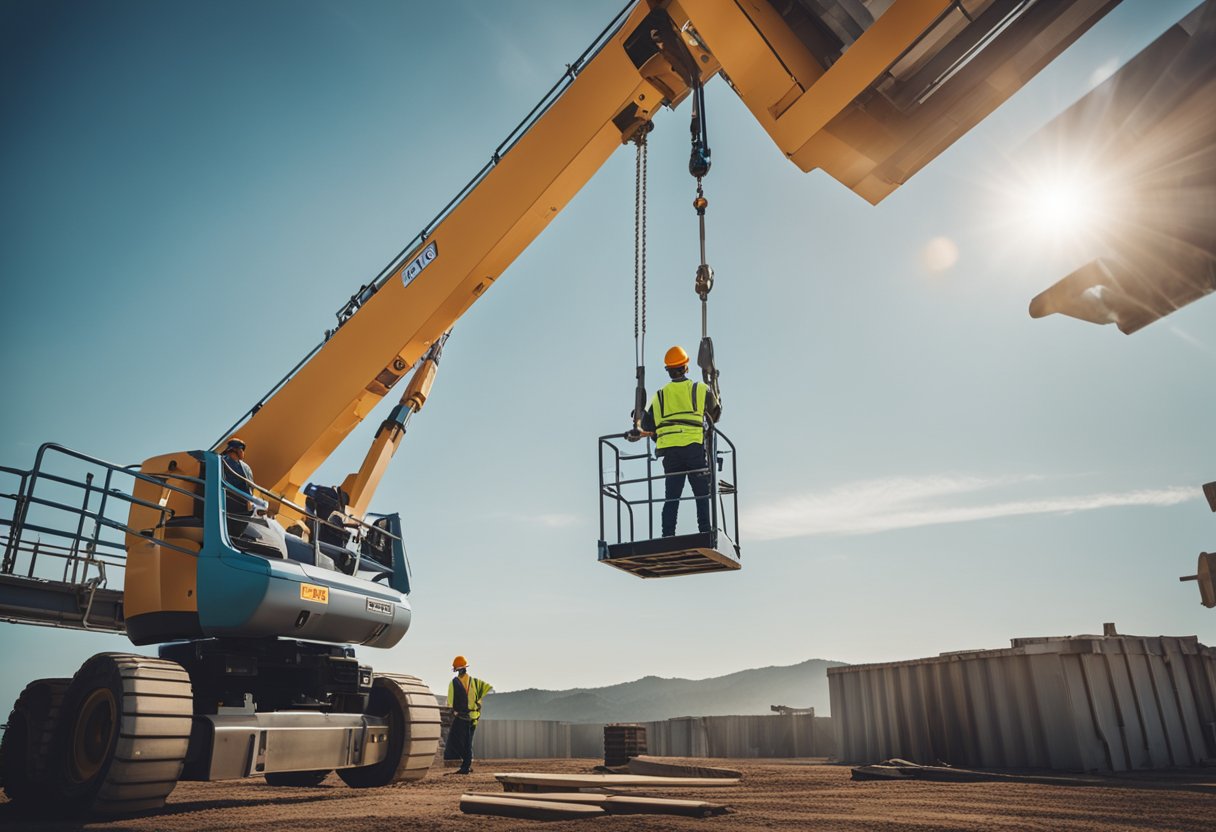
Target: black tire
[296,779]
[120,745]
[412,713]
[25,748]
[14,754]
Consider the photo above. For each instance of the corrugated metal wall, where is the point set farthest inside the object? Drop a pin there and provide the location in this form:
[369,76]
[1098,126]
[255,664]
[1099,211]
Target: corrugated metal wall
[1083,703]
[793,735]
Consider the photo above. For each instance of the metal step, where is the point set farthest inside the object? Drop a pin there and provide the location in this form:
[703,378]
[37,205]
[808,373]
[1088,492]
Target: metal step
[60,604]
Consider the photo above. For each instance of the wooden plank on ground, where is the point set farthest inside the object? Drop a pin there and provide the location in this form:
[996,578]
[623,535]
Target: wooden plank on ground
[661,767]
[904,770]
[509,807]
[521,781]
[619,804]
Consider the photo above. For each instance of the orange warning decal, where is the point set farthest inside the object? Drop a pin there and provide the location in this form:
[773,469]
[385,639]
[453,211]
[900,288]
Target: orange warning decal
[311,592]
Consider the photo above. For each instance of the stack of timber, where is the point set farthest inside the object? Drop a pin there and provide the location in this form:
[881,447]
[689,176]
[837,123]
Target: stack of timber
[622,742]
[571,796]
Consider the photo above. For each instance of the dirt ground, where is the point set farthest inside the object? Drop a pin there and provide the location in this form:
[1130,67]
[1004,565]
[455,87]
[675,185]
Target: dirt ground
[775,794]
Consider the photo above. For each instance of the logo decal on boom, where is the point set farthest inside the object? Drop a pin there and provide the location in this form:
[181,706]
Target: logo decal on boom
[415,266]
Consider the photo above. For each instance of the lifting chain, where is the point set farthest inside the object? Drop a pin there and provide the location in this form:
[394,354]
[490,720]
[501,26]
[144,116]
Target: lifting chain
[698,166]
[639,280]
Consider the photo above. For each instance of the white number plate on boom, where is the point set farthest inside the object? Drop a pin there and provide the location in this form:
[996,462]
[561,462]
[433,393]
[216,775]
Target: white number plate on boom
[415,266]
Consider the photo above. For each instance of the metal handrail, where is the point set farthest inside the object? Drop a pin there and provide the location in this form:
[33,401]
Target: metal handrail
[275,497]
[612,489]
[64,528]
[86,548]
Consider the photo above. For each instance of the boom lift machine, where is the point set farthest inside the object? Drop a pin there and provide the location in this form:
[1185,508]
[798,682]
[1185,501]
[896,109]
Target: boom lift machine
[255,614]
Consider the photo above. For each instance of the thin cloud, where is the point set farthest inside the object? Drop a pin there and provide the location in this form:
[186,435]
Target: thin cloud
[1192,340]
[1104,71]
[512,61]
[875,506]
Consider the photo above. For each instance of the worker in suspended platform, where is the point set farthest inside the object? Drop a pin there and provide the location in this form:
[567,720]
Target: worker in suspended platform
[464,698]
[676,418]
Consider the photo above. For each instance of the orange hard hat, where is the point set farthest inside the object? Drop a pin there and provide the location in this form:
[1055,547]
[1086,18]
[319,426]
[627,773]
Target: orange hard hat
[676,357]
[459,662]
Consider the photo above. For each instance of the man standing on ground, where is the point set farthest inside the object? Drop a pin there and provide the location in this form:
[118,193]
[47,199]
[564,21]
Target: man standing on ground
[676,417]
[464,698]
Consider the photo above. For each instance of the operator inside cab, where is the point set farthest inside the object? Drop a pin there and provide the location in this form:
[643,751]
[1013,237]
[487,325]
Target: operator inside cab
[239,475]
[676,418]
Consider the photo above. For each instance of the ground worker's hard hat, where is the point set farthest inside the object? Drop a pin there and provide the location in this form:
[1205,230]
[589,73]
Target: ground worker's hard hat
[676,357]
[459,662]
[234,443]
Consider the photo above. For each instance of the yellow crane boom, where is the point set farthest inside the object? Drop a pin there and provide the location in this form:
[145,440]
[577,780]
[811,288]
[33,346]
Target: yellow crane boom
[870,93]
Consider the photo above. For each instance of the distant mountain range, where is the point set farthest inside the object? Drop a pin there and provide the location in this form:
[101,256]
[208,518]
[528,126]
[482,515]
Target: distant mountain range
[654,698]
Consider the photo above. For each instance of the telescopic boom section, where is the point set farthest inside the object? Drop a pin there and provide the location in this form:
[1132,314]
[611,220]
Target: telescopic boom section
[361,485]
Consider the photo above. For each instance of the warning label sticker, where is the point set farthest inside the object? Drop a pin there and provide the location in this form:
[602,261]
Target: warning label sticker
[312,592]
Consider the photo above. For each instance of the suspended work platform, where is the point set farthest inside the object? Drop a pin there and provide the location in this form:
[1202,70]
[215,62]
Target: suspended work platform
[632,496]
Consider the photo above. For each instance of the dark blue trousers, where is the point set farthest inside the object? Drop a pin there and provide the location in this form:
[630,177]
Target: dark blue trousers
[676,463]
[460,743]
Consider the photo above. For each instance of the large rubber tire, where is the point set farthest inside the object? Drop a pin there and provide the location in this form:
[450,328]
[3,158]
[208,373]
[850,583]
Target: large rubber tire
[296,779]
[413,720]
[121,743]
[26,746]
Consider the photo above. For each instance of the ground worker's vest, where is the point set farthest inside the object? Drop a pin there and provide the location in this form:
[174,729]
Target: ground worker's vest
[679,414]
[466,704]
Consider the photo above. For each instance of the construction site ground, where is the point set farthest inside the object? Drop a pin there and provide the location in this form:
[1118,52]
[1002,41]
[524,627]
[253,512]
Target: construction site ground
[775,794]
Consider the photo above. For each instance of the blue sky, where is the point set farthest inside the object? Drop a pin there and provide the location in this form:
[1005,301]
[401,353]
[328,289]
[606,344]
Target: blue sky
[191,190]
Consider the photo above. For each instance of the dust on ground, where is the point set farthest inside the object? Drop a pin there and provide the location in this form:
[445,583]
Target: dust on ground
[775,794]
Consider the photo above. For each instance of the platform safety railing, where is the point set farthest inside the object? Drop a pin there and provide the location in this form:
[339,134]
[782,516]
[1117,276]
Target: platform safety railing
[354,530]
[633,488]
[63,525]
[63,529]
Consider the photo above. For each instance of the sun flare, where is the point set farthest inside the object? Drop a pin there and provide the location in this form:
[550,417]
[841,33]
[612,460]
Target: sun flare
[1063,206]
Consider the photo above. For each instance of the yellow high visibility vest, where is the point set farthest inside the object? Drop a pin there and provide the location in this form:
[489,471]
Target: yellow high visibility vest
[679,414]
[474,692]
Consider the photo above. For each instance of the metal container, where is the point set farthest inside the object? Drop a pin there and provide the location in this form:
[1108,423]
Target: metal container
[1074,703]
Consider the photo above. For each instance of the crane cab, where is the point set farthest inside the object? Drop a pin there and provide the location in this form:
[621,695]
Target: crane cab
[632,496]
[198,568]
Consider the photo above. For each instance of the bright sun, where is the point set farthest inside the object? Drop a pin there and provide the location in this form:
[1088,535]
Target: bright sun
[1063,206]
